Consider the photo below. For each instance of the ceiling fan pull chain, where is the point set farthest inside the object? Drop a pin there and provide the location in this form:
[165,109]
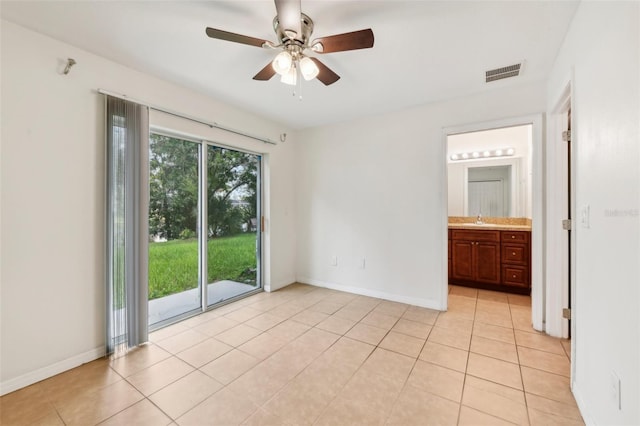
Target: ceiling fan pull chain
[295,86]
[299,83]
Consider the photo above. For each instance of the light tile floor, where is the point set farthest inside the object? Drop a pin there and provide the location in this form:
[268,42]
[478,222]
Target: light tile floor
[306,355]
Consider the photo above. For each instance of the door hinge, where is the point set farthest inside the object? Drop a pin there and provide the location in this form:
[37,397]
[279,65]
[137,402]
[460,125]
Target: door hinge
[566,313]
[261,223]
[566,136]
[566,224]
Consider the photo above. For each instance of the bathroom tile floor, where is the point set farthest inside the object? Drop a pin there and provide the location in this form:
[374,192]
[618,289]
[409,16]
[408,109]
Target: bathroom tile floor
[308,355]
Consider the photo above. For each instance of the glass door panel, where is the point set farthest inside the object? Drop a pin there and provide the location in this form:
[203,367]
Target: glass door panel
[233,215]
[173,228]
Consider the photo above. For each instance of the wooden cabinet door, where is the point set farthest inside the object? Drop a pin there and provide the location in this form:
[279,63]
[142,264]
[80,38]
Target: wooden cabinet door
[487,262]
[462,259]
[492,259]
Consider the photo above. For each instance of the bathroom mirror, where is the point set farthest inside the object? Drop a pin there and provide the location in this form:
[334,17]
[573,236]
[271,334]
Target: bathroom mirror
[489,173]
[489,191]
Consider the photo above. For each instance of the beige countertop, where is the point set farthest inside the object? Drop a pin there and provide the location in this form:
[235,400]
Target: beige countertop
[490,227]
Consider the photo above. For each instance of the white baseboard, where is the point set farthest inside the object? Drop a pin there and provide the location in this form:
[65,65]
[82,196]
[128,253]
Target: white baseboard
[425,303]
[50,370]
[582,406]
[277,286]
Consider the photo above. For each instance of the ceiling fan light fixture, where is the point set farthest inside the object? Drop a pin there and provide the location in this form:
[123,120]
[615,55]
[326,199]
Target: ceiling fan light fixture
[282,63]
[308,68]
[291,77]
[317,47]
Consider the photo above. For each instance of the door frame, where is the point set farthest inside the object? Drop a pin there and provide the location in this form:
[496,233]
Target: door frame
[537,207]
[204,242]
[558,260]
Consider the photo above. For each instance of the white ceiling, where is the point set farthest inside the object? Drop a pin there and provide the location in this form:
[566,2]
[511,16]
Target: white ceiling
[425,51]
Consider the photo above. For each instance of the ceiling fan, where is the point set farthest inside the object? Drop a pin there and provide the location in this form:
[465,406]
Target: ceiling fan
[293,30]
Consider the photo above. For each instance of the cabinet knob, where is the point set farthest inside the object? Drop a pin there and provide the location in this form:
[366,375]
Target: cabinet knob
[513,254]
[514,276]
[513,236]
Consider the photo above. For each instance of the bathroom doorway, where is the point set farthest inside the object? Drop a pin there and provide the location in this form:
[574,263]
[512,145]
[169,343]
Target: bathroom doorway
[516,180]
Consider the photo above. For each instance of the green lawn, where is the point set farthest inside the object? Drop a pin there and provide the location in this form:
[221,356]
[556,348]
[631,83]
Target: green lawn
[173,266]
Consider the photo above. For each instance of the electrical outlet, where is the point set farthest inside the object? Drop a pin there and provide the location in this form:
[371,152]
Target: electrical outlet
[616,388]
[361,263]
[334,260]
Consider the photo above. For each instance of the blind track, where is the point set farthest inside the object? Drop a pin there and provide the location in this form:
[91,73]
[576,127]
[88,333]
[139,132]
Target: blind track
[211,124]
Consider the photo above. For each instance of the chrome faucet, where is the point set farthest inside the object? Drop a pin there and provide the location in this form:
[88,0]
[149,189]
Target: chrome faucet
[479,219]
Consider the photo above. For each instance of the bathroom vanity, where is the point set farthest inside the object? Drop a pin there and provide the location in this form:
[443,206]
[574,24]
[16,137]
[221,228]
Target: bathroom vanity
[490,256]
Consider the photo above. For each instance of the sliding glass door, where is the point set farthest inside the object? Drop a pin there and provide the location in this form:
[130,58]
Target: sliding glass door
[204,227]
[234,229]
[174,285]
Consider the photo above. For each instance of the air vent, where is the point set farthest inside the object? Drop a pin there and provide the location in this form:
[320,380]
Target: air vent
[504,72]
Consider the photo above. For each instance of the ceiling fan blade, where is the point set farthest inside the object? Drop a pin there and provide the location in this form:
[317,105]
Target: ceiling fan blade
[236,38]
[265,73]
[362,39]
[325,75]
[289,14]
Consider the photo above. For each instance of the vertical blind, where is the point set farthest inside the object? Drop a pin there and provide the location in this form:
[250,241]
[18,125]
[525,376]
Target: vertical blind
[127,223]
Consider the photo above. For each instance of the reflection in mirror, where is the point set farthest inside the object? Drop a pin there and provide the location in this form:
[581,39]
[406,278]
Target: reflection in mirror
[489,191]
[480,182]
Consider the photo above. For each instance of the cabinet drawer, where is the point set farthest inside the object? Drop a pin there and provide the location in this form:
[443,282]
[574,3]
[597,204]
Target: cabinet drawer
[460,234]
[515,236]
[515,275]
[515,253]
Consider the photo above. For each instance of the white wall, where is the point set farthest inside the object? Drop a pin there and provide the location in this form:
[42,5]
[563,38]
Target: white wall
[518,138]
[601,55]
[52,204]
[373,189]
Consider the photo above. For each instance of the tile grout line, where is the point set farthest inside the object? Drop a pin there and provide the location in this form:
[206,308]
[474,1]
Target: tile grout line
[224,386]
[466,367]
[524,392]
[320,354]
[369,356]
[350,377]
[144,397]
[520,370]
[364,361]
[261,407]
